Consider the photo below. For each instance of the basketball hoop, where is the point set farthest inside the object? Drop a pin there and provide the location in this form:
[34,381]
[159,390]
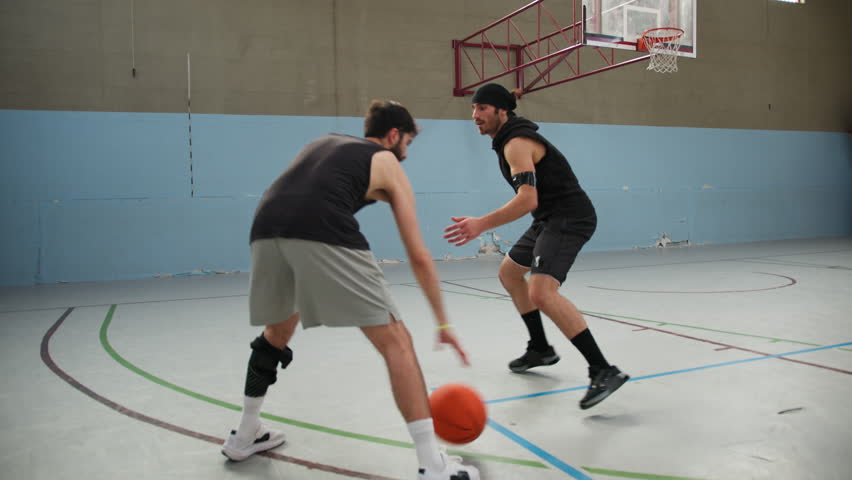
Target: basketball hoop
[663,44]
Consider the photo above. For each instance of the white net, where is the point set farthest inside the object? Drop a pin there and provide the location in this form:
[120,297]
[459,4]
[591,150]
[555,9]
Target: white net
[663,45]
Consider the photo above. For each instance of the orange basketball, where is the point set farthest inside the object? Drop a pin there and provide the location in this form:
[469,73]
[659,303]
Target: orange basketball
[458,413]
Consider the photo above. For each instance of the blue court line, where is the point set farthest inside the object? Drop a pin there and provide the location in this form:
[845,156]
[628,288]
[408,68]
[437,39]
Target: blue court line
[580,475]
[673,372]
[539,452]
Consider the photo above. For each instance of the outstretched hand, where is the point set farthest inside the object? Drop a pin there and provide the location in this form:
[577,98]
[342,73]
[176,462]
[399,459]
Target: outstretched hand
[463,230]
[447,337]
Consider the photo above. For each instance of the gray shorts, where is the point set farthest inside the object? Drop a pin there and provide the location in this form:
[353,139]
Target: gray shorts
[326,284]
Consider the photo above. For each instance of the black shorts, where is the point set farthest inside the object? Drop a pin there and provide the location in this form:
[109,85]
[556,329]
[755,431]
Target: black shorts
[550,246]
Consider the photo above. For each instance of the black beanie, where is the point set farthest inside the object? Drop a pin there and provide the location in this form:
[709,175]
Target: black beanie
[495,94]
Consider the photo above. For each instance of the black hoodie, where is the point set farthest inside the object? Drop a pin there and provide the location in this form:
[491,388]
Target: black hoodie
[559,192]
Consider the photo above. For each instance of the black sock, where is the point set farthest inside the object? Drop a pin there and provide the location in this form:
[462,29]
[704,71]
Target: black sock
[538,341]
[586,344]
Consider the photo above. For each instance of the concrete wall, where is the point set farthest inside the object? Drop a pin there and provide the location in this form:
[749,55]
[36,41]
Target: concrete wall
[329,57]
[101,177]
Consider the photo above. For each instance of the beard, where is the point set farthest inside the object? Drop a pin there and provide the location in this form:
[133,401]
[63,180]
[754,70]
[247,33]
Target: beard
[487,128]
[397,150]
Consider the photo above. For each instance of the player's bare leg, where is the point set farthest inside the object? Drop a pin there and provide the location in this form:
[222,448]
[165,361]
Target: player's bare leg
[538,352]
[409,391]
[605,378]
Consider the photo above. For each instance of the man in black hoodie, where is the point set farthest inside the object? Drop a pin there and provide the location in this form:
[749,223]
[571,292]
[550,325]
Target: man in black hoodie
[564,220]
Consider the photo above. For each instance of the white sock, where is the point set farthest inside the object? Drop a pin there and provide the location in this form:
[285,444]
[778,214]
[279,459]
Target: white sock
[251,417]
[426,444]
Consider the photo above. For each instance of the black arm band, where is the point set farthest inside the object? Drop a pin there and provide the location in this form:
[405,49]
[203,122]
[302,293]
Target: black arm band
[523,178]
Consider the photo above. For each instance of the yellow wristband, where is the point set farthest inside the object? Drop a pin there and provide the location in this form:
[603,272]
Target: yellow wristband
[444,327]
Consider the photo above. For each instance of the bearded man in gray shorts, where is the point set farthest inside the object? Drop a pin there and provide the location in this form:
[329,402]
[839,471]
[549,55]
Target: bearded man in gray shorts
[311,264]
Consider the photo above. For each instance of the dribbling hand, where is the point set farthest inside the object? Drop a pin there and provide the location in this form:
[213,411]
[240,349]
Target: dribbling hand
[447,337]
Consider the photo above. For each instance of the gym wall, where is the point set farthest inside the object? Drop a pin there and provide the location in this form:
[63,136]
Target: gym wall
[105,175]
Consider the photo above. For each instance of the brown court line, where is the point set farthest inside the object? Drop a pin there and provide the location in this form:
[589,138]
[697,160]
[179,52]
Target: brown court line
[576,270]
[792,282]
[733,347]
[645,327]
[48,361]
[799,264]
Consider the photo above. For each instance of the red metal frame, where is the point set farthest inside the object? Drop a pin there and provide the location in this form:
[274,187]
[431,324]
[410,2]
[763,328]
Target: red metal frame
[528,54]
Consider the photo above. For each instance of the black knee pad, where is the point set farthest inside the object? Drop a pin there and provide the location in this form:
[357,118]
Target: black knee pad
[268,355]
[263,366]
[286,357]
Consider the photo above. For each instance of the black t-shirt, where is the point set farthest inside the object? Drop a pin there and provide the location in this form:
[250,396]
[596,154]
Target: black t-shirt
[317,196]
[559,192]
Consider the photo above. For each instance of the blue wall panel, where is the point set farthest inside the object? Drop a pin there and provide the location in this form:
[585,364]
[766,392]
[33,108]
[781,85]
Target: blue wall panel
[63,155]
[117,239]
[238,155]
[102,196]
[19,243]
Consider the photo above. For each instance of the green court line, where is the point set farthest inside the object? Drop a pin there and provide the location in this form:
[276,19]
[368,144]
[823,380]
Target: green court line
[641,476]
[342,433]
[289,421]
[397,443]
[118,358]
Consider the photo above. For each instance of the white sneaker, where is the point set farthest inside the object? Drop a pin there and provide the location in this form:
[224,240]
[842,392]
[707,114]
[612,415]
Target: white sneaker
[237,449]
[453,470]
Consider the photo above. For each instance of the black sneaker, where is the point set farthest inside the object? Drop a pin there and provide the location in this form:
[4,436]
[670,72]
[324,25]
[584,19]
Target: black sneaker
[604,382]
[533,358]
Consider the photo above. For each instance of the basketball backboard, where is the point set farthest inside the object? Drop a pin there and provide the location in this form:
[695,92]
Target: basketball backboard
[620,23]
[539,46]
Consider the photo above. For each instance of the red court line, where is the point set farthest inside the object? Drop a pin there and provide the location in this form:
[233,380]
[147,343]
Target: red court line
[48,361]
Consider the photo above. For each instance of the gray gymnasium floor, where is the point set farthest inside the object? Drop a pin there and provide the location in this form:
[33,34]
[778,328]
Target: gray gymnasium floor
[741,358]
